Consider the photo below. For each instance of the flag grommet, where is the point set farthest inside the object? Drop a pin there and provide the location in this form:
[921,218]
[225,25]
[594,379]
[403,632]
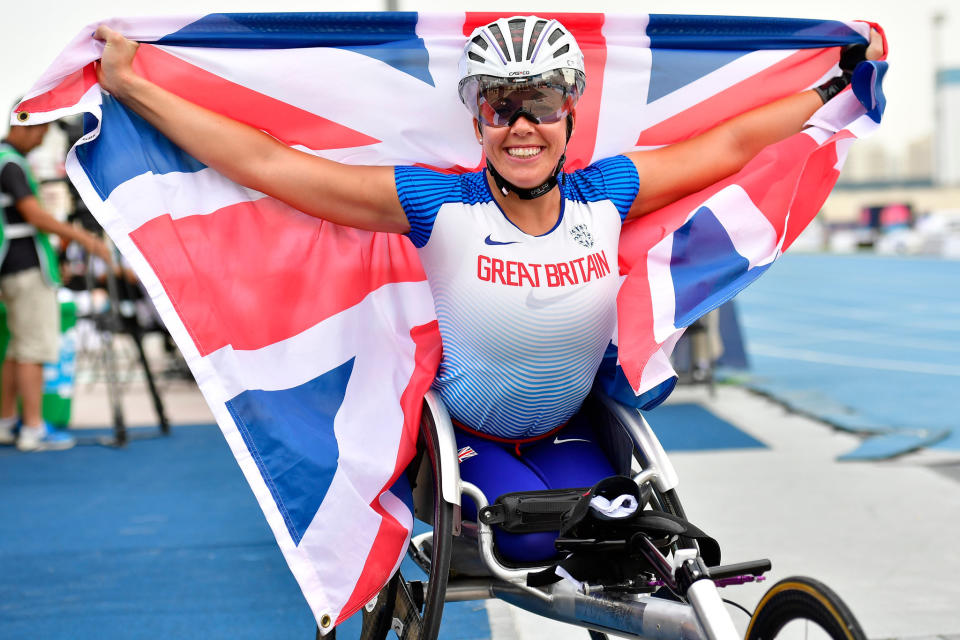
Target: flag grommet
[23,116]
[325,621]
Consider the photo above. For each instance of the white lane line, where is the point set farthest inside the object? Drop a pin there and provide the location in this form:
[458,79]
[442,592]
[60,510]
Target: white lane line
[884,364]
[810,332]
[893,316]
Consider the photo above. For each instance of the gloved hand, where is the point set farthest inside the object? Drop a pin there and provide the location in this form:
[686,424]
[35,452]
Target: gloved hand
[851,56]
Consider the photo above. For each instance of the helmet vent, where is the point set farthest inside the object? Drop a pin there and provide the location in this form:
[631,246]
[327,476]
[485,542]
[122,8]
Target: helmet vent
[556,35]
[534,37]
[480,42]
[516,35]
[476,58]
[498,35]
[562,50]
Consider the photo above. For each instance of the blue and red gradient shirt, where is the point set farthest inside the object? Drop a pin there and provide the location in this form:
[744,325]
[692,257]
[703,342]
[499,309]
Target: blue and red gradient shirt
[524,319]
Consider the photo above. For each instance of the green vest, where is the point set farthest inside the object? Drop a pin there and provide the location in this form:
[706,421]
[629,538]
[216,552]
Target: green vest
[49,265]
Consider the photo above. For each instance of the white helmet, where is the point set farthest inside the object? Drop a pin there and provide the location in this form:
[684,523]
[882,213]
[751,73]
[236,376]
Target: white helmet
[517,50]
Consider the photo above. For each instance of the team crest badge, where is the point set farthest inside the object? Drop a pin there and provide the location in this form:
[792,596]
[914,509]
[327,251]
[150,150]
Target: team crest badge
[465,453]
[582,235]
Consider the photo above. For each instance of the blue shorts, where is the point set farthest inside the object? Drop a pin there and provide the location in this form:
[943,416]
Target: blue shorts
[567,459]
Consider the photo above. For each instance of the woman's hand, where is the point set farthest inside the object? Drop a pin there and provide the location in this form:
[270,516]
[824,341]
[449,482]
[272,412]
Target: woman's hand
[94,245]
[677,170]
[115,68]
[875,48]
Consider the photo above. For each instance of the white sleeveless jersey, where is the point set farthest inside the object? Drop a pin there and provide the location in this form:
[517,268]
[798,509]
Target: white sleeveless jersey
[524,319]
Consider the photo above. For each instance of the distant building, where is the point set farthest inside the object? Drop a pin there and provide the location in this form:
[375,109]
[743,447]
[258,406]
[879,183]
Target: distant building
[947,132]
[919,159]
[869,161]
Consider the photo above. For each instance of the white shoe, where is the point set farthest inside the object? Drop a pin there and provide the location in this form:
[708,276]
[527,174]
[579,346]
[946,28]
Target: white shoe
[43,438]
[8,433]
[7,436]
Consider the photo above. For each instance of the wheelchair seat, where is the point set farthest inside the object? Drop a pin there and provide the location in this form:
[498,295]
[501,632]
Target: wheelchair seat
[622,432]
[459,556]
[462,563]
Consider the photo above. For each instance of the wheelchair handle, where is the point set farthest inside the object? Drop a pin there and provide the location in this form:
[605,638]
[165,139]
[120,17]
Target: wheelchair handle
[517,577]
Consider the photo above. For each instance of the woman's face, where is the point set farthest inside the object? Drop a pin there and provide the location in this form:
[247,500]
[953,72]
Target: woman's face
[524,153]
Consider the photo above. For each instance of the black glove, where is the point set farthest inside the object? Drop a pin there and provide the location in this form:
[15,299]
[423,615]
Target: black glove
[851,56]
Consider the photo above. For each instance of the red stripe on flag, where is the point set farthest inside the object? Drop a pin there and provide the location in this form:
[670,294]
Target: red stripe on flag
[388,545]
[283,121]
[782,79]
[427,359]
[635,343]
[587,28]
[814,186]
[65,94]
[254,273]
[391,540]
[793,176]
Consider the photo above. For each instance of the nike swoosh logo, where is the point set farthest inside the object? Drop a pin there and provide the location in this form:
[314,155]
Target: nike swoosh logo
[536,302]
[489,241]
[557,440]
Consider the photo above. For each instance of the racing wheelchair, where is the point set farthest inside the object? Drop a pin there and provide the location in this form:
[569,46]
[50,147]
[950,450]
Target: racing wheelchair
[656,578]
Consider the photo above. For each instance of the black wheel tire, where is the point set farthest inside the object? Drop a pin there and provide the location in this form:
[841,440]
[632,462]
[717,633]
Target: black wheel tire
[376,621]
[800,598]
[671,503]
[395,601]
[441,553]
[414,609]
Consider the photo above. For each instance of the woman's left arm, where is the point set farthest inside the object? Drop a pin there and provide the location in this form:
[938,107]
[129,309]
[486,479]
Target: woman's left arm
[672,172]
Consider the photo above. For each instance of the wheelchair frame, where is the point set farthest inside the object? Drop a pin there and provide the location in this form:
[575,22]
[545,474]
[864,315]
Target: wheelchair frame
[694,612]
[643,616]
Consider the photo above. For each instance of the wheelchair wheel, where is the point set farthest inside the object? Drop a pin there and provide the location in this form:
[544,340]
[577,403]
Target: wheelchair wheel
[376,615]
[415,607]
[670,502]
[418,606]
[801,607]
[412,609]
[424,623]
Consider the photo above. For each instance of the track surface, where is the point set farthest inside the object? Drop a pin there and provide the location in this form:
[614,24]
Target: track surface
[864,342]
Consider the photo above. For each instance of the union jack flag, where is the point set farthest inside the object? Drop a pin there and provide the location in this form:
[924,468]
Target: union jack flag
[313,343]
[465,453]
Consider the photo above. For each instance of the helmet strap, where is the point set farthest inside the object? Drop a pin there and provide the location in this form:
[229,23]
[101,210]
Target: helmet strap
[544,188]
[505,186]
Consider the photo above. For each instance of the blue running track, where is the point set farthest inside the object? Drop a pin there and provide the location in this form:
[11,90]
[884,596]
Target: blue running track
[163,539]
[865,342]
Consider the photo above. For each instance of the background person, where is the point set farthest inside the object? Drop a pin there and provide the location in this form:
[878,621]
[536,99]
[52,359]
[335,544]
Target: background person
[28,287]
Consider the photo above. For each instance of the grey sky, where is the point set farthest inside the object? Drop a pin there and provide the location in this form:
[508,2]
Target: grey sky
[35,34]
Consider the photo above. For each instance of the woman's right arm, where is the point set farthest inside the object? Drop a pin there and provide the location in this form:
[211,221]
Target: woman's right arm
[356,196]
